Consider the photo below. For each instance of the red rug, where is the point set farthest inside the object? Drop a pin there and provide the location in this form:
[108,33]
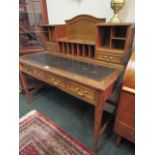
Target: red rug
[40,136]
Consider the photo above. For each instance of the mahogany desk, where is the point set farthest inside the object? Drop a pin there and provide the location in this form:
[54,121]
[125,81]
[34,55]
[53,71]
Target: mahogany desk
[89,80]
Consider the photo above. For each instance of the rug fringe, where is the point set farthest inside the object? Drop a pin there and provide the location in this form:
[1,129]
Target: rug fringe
[27,115]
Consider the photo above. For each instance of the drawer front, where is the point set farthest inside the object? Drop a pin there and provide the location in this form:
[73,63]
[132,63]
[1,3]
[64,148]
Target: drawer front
[125,131]
[33,71]
[56,81]
[108,58]
[81,92]
[73,88]
[126,117]
[127,102]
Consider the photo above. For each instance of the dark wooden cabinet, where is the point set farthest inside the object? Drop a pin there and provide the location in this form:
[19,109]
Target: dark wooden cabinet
[125,119]
[31,14]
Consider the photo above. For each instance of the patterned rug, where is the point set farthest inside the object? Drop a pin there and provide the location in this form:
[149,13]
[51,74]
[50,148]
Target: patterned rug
[40,136]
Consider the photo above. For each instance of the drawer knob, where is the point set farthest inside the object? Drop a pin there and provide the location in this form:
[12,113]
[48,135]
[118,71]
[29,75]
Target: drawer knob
[106,58]
[80,93]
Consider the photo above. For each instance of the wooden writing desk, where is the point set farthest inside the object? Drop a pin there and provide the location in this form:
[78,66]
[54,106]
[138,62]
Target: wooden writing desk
[73,66]
[87,81]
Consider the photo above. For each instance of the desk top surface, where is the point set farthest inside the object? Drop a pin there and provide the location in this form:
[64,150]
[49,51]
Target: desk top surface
[89,70]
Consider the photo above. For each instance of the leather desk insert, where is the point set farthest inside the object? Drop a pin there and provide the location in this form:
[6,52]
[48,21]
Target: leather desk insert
[88,70]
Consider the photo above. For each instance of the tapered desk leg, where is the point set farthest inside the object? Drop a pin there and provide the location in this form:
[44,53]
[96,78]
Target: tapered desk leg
[118,140]
[101,98]
[98,121]
[25,86]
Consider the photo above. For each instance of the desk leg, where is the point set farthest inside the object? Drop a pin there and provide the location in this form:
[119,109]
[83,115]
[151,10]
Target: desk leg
[99,108]
[118,140]
[21,88]
[98,121]
[25,86]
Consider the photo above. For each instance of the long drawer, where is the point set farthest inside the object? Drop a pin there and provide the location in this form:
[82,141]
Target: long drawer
[73,88]
[125,131]
[38,73]
[81,91]
[56,81]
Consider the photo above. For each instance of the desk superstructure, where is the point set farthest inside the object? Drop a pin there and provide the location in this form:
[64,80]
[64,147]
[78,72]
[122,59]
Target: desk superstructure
[72,62]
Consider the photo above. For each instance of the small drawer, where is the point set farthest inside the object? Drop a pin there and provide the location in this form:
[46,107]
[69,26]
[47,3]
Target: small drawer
[56,81]
[115,59]
[125,131]
[81,92]
[126,117]
[108,58]
[33,71]
[127,102]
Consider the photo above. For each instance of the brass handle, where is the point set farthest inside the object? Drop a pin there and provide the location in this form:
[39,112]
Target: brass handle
[34,71]
[55,81]
[79,92]
[106,58]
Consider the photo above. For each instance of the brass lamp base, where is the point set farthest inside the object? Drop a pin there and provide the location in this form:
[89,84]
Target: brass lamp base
[115,19]
[116,5]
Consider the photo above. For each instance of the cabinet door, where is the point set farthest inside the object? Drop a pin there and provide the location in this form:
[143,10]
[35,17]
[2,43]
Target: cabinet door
[31,14]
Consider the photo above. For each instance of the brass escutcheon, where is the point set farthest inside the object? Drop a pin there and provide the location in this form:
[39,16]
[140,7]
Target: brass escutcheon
[80,92]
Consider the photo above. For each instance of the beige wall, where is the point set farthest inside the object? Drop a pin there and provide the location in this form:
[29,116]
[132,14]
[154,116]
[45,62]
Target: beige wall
[59,10]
